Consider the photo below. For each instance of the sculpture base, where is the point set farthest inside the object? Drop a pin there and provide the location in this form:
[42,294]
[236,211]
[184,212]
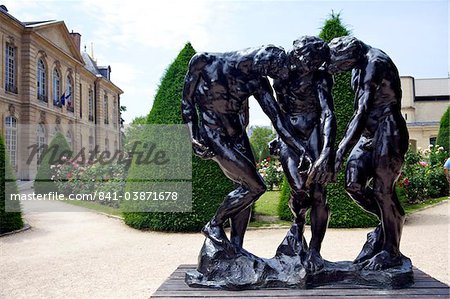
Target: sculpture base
[224,267]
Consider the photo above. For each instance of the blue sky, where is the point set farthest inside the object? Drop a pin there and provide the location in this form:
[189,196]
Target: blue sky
[139,39]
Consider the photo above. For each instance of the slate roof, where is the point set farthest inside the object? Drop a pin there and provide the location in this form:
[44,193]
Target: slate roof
[90,64]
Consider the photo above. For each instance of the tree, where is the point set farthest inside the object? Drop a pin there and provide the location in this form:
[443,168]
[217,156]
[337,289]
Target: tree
[259,140]
[139,120]
[344,212]
[133,131]
[209,184]
[443,138]
[56,151]
[9,221]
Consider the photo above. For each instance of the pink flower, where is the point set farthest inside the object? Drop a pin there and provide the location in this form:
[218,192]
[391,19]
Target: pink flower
[423,163]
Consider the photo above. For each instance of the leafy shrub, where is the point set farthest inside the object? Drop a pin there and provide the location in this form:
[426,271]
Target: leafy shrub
[9,221]
[423,174]
[57,150]
[72,177]
[209,184]
[284,212]
[271,171]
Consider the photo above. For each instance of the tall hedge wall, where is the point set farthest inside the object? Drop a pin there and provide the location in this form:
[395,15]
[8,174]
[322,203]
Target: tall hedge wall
[344,212]
[9,221]
[209,184]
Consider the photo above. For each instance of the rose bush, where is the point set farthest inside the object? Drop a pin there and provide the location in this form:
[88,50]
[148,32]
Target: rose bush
[271,171]
[423,175]
[74,177]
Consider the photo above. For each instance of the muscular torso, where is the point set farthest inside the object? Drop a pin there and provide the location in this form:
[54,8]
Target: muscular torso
[222,94]
[298,100]
[381,77]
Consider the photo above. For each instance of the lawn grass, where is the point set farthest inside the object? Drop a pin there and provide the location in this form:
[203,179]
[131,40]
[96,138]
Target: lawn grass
[409,209]
[95,206]
[267,204]
[265,223]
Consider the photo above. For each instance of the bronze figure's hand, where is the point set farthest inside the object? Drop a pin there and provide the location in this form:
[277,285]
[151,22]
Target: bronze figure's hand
[322,172]
[201,150]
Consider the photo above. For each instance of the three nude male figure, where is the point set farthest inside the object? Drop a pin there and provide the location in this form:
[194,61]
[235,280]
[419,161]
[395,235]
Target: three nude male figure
[215,108]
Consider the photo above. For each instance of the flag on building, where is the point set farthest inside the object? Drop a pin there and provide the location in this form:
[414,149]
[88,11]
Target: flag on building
[63,98]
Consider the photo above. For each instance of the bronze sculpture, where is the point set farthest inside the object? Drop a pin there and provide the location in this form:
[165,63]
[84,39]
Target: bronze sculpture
[306,102]
[379,137]
[218,85]
[215,108]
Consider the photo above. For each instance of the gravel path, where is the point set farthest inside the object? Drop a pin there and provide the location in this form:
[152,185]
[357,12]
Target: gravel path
[82,254]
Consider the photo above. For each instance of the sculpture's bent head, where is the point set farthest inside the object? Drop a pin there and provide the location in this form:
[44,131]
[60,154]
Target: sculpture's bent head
[346,52]
[272,61]
[309,54]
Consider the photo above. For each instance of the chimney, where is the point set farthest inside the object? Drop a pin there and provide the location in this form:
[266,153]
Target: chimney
[76,37]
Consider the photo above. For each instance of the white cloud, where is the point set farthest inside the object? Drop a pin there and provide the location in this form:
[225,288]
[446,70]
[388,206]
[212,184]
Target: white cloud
[164,24]
[27,10]
[124,74]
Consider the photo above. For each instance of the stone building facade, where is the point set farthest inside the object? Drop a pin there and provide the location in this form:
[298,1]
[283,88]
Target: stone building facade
[48,85]
[424,101]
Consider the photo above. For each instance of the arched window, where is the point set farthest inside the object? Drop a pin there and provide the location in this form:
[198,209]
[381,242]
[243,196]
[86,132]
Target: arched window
[116,147]
[69,94]
[56,88]
[11,138]
[40,141]
[69,138]
[106,144]
[41,81]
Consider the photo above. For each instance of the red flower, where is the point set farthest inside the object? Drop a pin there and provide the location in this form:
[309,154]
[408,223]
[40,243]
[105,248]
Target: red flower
[268,159]
[406,182]
[69,175]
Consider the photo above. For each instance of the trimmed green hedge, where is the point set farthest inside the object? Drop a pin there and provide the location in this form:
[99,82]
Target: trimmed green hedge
[56,149]
[9,221]
[443,138]
[209,184]
[344,212]
[284,212]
